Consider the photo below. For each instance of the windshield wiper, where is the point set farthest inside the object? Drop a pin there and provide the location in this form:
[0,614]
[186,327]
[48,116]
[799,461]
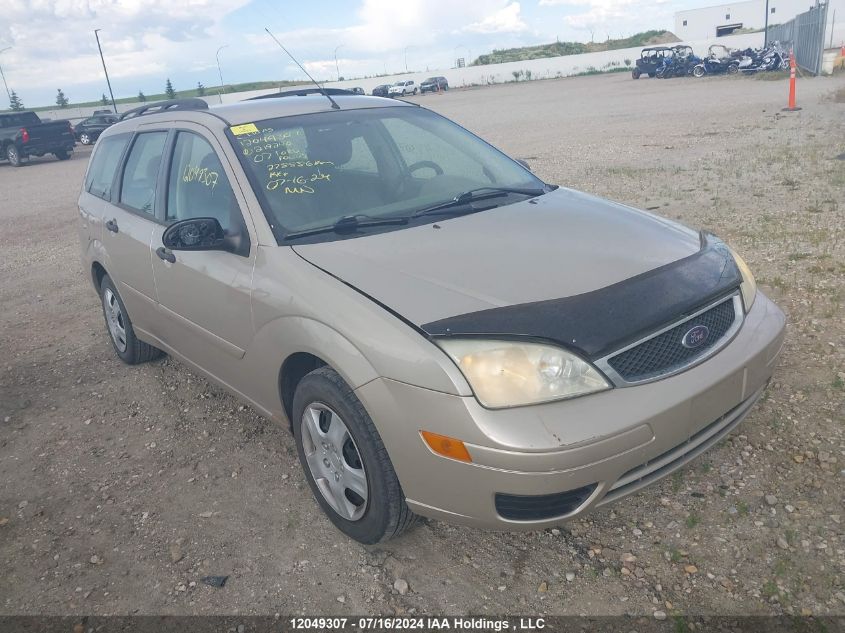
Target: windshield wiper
[347,224]
[476,194]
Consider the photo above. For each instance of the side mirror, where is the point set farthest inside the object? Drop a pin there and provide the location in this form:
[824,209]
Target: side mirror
[524,163]
[196,234]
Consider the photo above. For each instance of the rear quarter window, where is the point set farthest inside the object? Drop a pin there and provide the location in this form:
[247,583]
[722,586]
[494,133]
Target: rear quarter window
[104,163]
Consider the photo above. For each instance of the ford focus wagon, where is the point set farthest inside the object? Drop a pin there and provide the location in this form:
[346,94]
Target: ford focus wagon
[446,334]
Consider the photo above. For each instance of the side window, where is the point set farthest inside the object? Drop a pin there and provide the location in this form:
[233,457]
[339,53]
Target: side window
[138,187]
[197,186]
[104,164]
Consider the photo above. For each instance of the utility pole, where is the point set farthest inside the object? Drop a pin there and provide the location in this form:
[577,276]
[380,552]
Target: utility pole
[406,58]
[103,59]
[766,26]
[9,94]
[220,72]
[336,65]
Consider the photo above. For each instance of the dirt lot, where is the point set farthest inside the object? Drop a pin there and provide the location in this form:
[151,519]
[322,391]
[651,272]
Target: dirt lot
[123,486]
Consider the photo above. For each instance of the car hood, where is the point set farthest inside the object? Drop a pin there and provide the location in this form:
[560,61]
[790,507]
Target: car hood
[561,244]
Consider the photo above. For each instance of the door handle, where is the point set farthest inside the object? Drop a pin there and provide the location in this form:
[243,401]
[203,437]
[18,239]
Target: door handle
[111,225]
[166,255]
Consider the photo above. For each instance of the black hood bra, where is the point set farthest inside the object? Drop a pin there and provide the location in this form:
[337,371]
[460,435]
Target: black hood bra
[598,322]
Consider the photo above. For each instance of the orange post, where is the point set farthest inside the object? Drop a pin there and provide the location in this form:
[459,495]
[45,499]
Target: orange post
[791,107]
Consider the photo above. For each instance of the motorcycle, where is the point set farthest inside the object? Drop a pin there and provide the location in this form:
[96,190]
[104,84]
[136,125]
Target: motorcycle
[715,66]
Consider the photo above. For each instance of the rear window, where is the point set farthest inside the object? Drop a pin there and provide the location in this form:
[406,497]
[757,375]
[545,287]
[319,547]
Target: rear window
[19,119]
[104,163]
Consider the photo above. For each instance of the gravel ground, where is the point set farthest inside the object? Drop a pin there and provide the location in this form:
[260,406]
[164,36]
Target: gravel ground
[123,486]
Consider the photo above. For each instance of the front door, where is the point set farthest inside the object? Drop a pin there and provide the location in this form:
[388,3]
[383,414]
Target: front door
[204,296]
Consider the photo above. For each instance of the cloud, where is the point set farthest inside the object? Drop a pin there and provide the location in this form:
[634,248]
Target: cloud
[616,16]
[53,41]
[505,20]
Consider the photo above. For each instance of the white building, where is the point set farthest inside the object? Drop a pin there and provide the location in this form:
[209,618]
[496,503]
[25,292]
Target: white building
[725,19]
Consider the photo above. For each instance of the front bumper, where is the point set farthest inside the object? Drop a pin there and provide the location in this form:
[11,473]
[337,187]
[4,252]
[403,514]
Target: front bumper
[608,445]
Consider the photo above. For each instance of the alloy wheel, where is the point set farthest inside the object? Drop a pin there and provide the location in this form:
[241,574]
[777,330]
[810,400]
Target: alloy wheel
[84,139]
[334,461]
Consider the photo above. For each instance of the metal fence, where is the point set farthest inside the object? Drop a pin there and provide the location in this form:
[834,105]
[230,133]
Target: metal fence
[805,35]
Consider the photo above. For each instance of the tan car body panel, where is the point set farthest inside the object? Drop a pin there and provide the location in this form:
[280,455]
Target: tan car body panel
[237,319]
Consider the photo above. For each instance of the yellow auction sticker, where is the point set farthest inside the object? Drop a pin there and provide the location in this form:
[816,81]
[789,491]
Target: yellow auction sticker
[246,128]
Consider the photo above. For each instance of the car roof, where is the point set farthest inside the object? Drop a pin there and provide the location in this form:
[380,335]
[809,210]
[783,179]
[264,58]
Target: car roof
[259,110]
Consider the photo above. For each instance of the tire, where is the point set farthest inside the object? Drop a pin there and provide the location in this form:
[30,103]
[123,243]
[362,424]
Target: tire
[635,73]
[62,154]
[127,346]
[415,91]
[13,156]
[351,453]
[85,138]
[733,69]
[698,71]
[652,75]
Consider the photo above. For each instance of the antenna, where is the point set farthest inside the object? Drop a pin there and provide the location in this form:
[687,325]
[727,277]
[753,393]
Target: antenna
[319,87]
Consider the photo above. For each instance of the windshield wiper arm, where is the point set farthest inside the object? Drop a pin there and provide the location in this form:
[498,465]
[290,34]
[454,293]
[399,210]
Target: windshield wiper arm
[475,194]
[347,224]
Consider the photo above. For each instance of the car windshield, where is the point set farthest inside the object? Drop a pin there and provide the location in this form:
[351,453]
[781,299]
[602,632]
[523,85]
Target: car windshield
[309,171]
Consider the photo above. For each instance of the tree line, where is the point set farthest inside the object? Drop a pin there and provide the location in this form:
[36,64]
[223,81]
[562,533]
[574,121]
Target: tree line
[16,105]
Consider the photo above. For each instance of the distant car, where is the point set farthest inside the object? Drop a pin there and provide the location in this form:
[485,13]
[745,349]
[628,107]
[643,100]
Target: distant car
[109,111]
[381,91]
[23,134]
[434,84]
[650,60]
[402,88]
[88,130]
[357,90]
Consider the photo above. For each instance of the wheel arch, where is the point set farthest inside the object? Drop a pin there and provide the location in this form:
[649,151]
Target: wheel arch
[98,271]
[288,348]
[293,370]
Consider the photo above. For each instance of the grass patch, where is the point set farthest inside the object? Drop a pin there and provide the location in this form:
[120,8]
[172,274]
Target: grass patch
[838,383]
[693,519]
[769,589]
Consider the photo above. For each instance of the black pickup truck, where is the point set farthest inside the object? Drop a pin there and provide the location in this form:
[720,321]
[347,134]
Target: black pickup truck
[23,134]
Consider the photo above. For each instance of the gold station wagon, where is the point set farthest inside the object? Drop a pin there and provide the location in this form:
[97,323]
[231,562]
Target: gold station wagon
[446,334]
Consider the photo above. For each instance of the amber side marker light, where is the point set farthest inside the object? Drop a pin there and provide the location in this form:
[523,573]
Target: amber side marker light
[446,446]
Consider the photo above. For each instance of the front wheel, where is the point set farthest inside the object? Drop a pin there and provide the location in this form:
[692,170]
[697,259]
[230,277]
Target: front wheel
[635,73]
[345,461]
[415,91]
[62,154]
[733,69]
[698,71]
[85,138]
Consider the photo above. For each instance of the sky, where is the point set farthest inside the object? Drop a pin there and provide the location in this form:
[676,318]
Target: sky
[146,42]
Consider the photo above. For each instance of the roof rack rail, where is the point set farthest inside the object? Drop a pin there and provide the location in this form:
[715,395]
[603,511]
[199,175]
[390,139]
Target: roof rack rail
[165,106]
[302,93]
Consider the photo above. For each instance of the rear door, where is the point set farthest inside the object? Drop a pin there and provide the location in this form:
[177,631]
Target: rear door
[205,296]
[129,222]
[96,195]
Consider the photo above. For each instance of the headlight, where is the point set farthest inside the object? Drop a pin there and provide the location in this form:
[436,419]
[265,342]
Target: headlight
[748,287]
[510,374]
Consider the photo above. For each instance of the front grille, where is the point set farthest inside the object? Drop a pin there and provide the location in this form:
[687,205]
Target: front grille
[665,352]
[539,507]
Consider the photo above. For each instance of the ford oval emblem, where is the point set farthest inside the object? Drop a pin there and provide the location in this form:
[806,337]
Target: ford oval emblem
[695,337]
